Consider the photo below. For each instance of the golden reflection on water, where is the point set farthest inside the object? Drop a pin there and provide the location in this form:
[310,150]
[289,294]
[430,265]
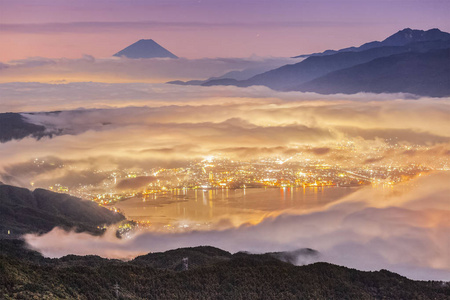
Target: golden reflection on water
[199,208]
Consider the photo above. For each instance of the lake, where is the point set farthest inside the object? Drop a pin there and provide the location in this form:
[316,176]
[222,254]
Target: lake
[222,208]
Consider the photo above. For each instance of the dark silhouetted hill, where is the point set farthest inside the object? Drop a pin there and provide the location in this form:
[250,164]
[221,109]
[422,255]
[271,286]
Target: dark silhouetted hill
[425,74]
[39,211]
[27,275]
[198,256]
[14,126]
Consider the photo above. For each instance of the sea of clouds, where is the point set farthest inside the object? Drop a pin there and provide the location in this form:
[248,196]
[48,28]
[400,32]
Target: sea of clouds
[109,114]
[127,125]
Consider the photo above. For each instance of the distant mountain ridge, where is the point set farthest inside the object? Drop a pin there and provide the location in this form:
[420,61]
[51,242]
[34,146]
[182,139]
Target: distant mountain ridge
[415,73]
[401,38]
[296,76]
[235,75]
[145,49]
[289,76]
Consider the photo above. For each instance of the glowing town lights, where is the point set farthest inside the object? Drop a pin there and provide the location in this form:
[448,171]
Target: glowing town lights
[209,158]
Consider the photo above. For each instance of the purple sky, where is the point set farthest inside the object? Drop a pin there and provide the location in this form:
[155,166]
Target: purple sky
[206,28]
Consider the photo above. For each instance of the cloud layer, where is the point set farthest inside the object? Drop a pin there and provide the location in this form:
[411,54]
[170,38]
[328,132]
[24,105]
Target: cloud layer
[159,124]
[138,126]
[123,70]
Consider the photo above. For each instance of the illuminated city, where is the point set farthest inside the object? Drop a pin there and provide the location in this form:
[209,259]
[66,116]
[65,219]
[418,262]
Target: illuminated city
[301,170]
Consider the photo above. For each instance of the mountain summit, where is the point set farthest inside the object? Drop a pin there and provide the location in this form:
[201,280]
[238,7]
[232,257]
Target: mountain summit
[400,38]
[409,35]
[145,49]
[406,36]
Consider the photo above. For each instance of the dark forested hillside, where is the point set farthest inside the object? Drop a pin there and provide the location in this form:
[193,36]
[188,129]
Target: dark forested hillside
[24,211]
[13,126]
[221,275]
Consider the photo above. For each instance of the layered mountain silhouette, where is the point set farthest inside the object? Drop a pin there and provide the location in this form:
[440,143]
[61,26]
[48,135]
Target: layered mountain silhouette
[416,73]
[236,74]
[401,38]
[145,49]
[423,44]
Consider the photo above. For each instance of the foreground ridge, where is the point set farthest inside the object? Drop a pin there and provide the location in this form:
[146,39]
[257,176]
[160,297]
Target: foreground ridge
[212,274]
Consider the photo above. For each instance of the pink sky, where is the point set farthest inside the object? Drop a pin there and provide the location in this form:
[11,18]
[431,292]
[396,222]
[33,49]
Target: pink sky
[206,28]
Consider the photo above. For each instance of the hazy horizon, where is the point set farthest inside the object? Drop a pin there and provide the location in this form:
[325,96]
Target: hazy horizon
[201,29]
